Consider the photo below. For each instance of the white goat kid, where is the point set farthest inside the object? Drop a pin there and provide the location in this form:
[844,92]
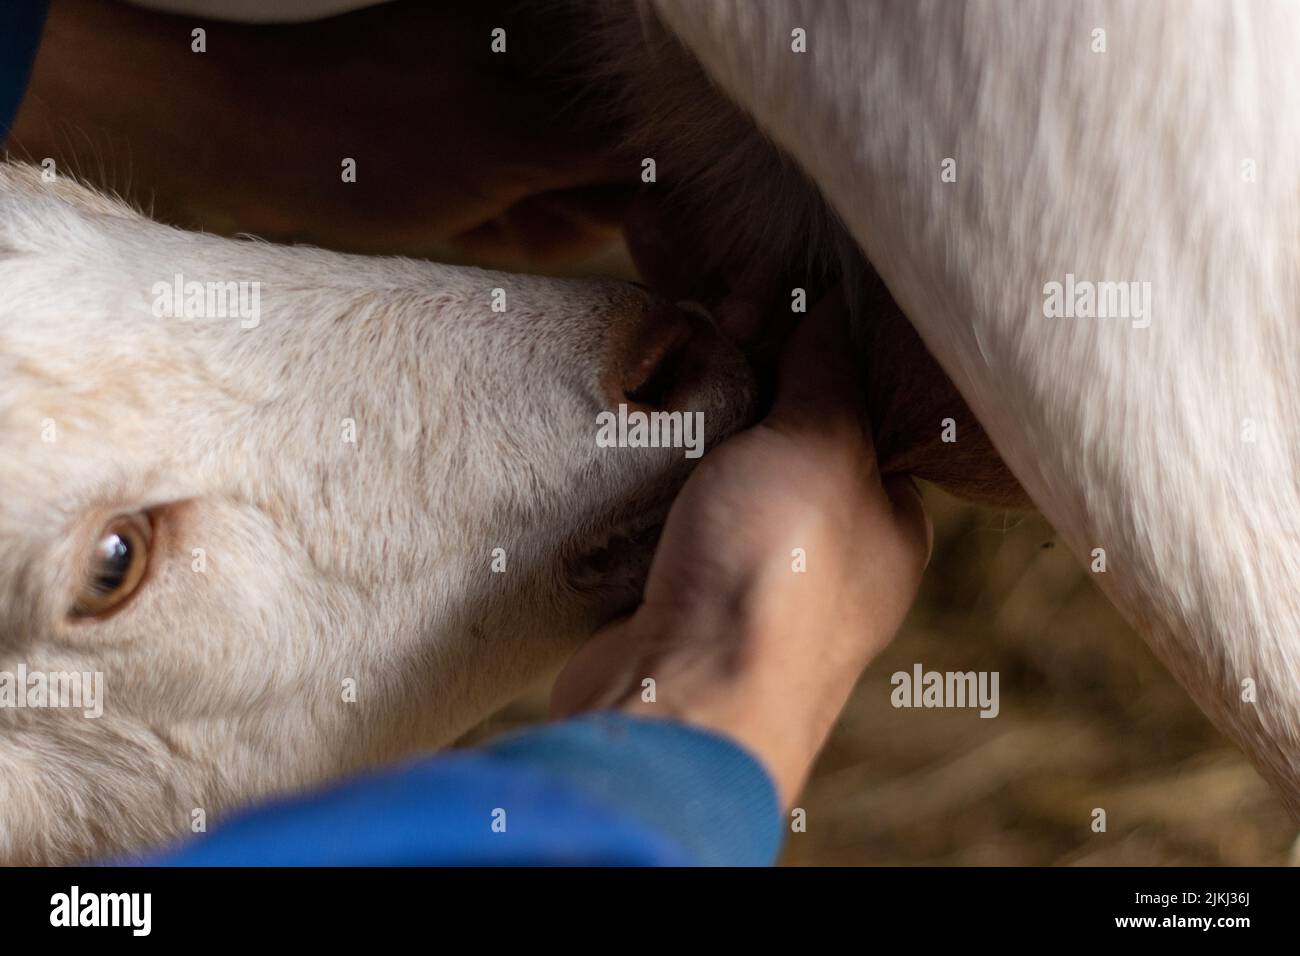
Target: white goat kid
[276,540]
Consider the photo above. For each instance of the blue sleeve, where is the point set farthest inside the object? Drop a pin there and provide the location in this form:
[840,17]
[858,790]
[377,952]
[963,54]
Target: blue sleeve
[20,34]
[601,789]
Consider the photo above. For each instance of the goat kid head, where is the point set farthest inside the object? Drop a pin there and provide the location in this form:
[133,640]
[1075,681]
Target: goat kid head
[340,524]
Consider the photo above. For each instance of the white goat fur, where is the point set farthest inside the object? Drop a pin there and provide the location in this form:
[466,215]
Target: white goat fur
[325,560]
[1122,165]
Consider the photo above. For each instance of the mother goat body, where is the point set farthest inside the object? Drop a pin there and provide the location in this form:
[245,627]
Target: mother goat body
[1102,141]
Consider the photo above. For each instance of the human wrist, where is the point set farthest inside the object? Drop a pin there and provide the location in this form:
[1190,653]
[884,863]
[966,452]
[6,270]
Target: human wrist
[732,668]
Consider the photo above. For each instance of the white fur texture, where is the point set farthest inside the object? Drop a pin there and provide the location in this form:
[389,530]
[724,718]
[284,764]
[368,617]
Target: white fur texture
[325,560]
[1118,166]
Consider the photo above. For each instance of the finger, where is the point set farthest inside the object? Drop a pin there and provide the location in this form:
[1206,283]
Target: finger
[598,673]
[599,205]
[915,529]
[667,255]
[548,229]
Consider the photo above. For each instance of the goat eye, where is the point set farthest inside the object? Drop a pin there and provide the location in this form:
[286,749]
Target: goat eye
[116,567]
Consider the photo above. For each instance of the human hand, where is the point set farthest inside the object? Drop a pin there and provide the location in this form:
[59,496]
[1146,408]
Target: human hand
[460,152]
[736,639]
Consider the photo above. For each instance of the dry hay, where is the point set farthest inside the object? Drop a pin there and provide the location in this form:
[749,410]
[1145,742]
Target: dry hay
[1088,720]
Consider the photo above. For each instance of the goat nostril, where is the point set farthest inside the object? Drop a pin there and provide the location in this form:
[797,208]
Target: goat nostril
[650,360]
[656,376]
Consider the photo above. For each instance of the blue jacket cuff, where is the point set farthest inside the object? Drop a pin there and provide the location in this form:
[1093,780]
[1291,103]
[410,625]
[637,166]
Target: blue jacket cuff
[702,791]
